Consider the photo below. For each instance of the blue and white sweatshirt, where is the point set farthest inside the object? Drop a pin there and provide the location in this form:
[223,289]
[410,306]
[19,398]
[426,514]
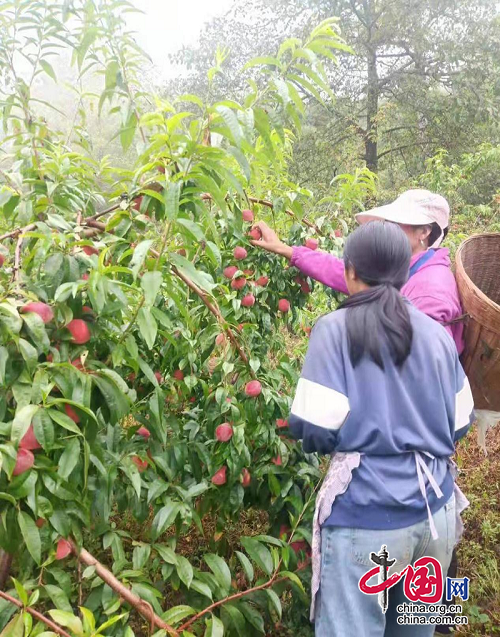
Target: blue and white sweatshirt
[424,406]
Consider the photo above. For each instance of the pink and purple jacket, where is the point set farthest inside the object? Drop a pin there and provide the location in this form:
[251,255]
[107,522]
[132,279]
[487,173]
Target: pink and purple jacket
[432,289]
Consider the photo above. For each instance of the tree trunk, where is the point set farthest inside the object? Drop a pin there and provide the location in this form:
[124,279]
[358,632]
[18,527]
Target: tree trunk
[372,95]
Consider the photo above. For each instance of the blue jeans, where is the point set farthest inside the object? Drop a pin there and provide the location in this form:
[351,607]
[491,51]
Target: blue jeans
[342,609]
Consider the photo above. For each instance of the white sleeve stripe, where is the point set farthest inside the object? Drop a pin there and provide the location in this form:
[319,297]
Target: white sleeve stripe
[320,405]
[464,406]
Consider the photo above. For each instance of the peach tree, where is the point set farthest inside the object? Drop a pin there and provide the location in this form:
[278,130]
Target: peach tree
[146,371]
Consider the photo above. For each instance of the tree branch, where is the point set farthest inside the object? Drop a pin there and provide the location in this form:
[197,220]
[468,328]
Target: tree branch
[34,613]
[141,606]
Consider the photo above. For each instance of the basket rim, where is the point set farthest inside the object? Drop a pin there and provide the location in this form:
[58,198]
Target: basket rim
[460,265]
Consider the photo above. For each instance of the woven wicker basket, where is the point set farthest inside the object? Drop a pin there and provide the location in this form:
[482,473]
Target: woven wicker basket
[478,278]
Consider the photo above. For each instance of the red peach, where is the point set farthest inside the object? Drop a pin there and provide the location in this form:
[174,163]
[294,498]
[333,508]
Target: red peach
[40,522]
[277,461]
[85,276]
[281,423]
[247,215]
[224,432]
[136,203]
[240,253]
[262,281]
[338,233]
[2,259]
[312,244]
[142,431]
[141,465]
[255,234]
[43,310]
[79,331]
[230,271]
[245,478]
[253,389]
[219,477]
[24,461]
[283,305]
[89,250]
[248,300]
[63,549]
[239,283]
[178,374]
[159,377]
[29,441]
[220,339]
[71,413]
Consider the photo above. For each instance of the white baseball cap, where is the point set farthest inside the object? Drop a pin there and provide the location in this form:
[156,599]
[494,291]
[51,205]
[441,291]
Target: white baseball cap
[413,208]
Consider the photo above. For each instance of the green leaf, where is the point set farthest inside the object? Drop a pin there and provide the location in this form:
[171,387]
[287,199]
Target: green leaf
[252,616]
[150,284]
[15,628]
[68,620]
[202,279]
[110,622]
[127,131]
[177,613]
[11,319]
[43,429]
[21,591]
[215,628]
[184,570]
[166,553]
[58,597]
[112,71]
[262,61]
[69,458]
[172,196]
[29,353]
[293,577]
[139,256]
[117,402]
[213,253]
[275,601]
[259,554]
[148,326]
[22,421]
[4,356]
[193,229]
[164,518]
[132,473]
[48,69]
[220,569]
[237,620]
[36,328]
[231,121]
[31,535]
[202,588]
[64,421]
[246,565]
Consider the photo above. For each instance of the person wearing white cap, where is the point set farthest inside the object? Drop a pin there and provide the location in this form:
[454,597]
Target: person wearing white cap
[431,286]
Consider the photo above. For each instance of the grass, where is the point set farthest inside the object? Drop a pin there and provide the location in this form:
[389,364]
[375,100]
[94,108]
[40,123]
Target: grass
[479,550]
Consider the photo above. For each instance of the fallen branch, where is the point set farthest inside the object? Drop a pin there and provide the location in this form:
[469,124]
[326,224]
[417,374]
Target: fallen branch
[141,606]
[34,613]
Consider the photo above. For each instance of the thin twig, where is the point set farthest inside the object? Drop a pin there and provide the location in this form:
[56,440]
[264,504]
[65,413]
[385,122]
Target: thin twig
[17,258]
[34,613]
[140,605]
[14,233]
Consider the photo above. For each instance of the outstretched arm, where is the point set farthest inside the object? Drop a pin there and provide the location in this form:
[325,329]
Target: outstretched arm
[320,266]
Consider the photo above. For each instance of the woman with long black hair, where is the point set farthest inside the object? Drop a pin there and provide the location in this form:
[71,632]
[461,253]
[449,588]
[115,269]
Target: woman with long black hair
[382,389]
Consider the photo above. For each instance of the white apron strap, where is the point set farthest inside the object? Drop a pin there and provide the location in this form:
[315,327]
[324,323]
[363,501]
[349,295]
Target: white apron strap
[421,469]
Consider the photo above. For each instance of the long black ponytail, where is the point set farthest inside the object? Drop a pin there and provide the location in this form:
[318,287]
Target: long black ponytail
[379,253]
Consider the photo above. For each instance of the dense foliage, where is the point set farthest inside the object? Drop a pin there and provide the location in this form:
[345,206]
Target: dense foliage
[145,384]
